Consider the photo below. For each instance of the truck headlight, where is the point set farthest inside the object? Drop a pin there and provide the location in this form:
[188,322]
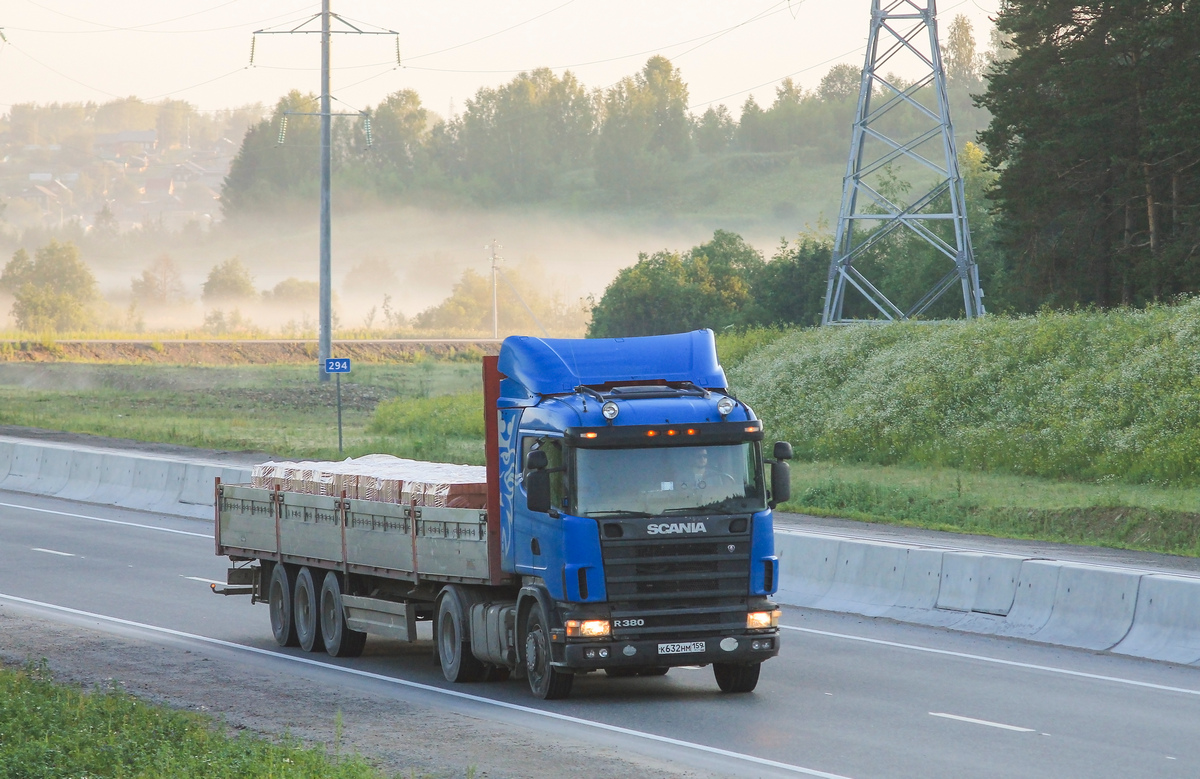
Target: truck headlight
[610,410]
[725,406]
[588,628]
[762,620]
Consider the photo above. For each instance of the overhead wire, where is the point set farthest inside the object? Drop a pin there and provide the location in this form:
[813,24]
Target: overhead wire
[140,29]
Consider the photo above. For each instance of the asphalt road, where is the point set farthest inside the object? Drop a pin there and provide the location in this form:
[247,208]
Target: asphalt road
[848,696]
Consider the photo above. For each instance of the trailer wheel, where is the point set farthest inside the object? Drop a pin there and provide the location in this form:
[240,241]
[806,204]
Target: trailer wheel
[454,651]
[545,681]
[279,598]
[340,639]
[736,678]
[306,612]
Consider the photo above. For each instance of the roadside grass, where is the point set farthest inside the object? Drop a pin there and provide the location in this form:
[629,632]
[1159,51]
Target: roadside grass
[1111,514]
[53,730]
[281,410]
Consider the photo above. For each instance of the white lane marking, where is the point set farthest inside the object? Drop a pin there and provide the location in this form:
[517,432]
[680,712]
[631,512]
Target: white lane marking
[430,688]
[202,579]
[106,521]
[996,660]
[51,551]
[974,721]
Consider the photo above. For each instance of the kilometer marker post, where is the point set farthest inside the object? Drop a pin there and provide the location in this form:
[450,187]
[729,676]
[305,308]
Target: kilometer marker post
[337,366]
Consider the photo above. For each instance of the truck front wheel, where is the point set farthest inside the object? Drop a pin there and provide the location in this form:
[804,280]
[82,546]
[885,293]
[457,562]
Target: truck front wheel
[736,678]
[279,597]
[306,612]
[545,681]
[454,651]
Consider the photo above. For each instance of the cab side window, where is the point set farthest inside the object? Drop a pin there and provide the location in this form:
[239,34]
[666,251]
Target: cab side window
[553,447]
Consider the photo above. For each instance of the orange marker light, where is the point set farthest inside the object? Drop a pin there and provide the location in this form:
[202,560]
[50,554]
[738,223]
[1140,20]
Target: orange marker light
[691,431]
[670,432]
[651,433]
[590,435]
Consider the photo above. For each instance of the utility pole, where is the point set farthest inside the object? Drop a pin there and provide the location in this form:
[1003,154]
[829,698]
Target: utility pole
[325,309]
[905,29]
[495,247]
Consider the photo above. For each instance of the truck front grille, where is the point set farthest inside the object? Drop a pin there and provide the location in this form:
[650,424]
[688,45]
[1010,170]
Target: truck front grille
[677,587]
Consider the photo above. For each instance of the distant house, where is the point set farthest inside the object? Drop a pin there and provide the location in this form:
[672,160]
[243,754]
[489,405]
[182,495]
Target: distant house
[127,142]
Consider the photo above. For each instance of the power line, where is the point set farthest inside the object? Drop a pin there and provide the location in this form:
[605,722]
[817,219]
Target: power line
[142,28]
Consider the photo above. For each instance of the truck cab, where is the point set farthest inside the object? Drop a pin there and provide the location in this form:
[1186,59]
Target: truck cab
[635,510]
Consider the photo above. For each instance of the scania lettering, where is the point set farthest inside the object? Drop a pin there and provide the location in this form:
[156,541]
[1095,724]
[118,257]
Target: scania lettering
[688,527]
[626,528]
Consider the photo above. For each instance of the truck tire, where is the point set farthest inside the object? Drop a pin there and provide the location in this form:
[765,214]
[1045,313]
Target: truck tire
[340,639]
[279,598]
[306,612]
[545,681]
[736,678]
[453,647]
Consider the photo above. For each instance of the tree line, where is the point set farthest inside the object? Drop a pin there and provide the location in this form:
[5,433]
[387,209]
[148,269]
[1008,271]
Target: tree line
[544,136]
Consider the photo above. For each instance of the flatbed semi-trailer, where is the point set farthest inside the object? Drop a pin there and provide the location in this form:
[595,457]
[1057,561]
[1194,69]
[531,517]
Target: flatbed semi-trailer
[627,528]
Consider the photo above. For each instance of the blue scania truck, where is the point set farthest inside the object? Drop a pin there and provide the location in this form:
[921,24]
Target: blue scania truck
[627,529]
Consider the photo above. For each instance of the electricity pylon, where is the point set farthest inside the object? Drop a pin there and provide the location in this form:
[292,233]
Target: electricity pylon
[902,31]
[325,313]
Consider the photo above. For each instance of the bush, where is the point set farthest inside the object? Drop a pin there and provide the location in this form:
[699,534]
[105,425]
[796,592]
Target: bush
[53,291]
[1083,395]
[230,281]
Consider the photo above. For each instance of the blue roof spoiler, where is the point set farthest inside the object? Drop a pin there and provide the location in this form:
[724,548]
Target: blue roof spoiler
[551,366]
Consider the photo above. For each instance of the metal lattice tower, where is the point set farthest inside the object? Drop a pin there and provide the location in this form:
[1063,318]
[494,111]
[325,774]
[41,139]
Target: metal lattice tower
[903,32]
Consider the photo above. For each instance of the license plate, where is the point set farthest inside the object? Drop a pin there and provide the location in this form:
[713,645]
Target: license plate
[681,649]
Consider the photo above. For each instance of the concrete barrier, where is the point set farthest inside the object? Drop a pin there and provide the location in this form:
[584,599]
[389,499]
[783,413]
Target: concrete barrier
[54,471]
[116,478]
[1033,602]
[1166,622]
[867,578]
[917,599]
[807,564]
[1093,607]
[86,468]
[149,484]
[6,458]
[24,468]
[960,579]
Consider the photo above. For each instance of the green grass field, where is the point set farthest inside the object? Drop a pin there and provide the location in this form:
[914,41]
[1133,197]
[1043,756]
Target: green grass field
[1078,392]
[281,410]
[51,730]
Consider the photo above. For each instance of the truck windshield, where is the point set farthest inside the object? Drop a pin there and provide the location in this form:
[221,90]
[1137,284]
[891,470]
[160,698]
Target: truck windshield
[725,479]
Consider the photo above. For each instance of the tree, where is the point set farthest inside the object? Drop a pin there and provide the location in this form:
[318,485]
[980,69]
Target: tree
[227,282]
[961,61]
[526,134]
[294,292]
[160,283]
[523,307]
[52,291]
[401,127]
[790,289]
[840,83]
[714,130]
[1093,140]
[645,133]
[105,226]
[265,173]
[668,292]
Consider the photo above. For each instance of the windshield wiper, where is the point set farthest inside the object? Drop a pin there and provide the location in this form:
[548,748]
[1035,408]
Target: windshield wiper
[708,508]
[617,513]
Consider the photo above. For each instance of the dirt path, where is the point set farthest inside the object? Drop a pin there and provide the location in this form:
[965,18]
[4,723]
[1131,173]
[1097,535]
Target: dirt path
[401,739]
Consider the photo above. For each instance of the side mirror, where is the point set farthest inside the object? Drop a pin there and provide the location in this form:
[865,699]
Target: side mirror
[783,450]
[781,482]
[537,491]
[536,461]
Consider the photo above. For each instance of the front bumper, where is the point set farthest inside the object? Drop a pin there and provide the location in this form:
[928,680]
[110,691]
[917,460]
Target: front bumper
[737,649]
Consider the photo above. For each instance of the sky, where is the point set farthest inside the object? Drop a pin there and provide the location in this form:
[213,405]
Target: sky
[199,50]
